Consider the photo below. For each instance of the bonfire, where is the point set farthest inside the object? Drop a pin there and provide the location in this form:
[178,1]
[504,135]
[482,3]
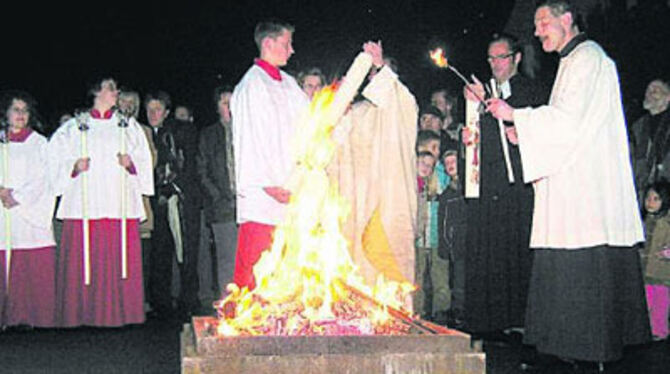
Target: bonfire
[306,283]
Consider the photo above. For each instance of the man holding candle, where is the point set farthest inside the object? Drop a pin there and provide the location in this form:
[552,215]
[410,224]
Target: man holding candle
[498,258]
[264,105]
[586,299]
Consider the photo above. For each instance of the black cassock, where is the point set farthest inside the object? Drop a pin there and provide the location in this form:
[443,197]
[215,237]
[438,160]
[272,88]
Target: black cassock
[498,258]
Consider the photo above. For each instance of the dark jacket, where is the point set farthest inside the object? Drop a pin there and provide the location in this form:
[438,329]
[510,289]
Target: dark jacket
[218,199]
[176,171]
[452,221]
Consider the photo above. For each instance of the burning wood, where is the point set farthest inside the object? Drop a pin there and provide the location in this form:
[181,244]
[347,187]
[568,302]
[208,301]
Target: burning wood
[307,283]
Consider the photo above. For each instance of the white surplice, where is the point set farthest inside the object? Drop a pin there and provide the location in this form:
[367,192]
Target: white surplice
[575,150]
[264,111]
[104,175]
[31,219]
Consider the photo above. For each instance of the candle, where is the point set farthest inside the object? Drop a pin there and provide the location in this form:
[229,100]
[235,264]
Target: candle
[503,138]
[8,220]
[123,125]
[83,152]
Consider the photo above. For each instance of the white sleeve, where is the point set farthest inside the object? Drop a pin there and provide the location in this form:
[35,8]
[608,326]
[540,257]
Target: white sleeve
[550,134]
[140,153]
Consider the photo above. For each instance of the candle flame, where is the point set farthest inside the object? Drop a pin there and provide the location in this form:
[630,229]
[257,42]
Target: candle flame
[437,55]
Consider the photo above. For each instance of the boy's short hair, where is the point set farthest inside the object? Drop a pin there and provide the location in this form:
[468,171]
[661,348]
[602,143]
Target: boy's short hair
[160,96]
[425,154]
[272,29]
[424,136]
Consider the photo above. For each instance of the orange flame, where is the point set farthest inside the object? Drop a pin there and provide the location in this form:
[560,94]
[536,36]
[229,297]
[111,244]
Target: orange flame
[437,55]
[305,281]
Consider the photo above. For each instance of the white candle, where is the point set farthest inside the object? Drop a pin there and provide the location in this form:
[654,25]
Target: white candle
[124,235]
[83,128]
[8,221]
[472,154]
[503,138]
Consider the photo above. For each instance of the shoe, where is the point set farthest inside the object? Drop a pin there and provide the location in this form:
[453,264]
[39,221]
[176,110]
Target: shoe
[533,361]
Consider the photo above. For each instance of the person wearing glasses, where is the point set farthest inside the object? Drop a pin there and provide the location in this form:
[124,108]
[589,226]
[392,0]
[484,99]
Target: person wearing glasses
[498,259]
[28,294]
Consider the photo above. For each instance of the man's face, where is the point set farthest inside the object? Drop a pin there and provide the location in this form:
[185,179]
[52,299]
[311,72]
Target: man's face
[502,61]
[277,51]
[108,94]
[126,104]
[311,84]
[430,122]
[18,114]
[224,106]
[551,30]
[156,113]
[451,165]
[657,96]
[181,113]
[432,146]
[439,101]
[425,165]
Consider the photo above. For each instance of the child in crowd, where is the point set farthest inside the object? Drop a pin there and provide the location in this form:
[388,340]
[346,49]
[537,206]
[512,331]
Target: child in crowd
[452,230]
[425,161]
[656,256]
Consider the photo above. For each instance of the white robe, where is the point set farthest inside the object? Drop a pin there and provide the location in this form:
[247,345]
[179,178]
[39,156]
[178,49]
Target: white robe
[375,169]
[264,111]
[104,174]
[575,150]
[31,219]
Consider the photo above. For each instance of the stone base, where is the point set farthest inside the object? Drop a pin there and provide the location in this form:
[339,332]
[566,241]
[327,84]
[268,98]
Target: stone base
[405,354]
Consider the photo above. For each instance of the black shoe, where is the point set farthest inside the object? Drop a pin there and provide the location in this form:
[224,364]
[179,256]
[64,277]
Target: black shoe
[496,338]
[532,361]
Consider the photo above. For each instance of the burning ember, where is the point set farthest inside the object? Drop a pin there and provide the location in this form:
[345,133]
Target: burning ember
[307,283]
[437,55]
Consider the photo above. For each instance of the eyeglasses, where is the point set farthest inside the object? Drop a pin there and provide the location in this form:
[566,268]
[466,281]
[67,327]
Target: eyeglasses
[20,110]
[500,57]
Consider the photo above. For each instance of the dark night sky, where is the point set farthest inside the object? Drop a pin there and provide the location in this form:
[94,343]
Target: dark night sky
[187,49]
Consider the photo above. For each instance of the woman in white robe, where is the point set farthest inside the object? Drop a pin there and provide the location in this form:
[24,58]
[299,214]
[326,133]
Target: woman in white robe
[90,162]
[28,252]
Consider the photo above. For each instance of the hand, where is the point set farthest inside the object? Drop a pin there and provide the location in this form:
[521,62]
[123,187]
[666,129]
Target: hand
[510,131]
[476,87]
[4,192]
[500,109]
[124,160]
[278,193]
[375,50]
[82,165]
[664,254]
[7,198]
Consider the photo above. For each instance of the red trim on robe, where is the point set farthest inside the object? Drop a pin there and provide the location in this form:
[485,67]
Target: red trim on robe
[21,136]
[97,115]
[272,70]
[252,239]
